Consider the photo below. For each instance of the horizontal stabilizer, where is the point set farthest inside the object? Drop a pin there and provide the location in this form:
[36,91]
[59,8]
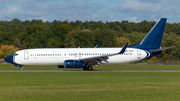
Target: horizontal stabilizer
[157,50]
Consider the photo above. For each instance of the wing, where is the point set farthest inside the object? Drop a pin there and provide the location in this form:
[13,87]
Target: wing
[97,60]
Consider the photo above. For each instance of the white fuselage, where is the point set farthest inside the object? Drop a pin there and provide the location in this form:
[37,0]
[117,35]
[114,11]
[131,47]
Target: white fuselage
[57,56]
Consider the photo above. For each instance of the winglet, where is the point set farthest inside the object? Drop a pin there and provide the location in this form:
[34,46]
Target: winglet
[123,49]
[96,46]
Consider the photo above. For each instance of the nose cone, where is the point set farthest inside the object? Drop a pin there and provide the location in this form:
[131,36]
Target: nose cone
[9,59]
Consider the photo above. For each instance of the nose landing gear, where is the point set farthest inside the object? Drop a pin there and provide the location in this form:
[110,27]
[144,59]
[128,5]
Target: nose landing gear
[21,68]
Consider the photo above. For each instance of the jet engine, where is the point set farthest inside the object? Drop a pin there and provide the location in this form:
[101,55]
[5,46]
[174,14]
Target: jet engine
[73,64]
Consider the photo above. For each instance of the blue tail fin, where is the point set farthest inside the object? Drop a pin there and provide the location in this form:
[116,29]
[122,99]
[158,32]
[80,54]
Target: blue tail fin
[154,37]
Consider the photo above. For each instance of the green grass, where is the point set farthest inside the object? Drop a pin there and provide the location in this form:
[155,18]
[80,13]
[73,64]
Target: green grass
[89,86]
[102,67]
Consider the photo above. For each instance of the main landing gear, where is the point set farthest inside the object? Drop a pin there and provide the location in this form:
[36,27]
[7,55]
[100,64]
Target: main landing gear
[86,67]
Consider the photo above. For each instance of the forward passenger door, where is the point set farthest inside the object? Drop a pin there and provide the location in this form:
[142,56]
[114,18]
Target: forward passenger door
[26,55]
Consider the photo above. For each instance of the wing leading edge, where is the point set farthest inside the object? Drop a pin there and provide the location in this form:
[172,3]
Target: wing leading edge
[97,60]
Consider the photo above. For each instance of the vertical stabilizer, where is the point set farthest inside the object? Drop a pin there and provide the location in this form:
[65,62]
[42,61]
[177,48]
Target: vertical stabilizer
[154,37]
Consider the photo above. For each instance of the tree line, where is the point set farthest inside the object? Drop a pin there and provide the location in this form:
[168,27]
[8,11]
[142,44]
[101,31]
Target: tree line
[64,34]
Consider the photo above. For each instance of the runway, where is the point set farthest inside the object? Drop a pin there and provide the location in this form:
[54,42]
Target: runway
[90,71]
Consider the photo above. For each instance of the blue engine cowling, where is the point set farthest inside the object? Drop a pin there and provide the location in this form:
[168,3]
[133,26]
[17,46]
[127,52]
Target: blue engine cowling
[73,64]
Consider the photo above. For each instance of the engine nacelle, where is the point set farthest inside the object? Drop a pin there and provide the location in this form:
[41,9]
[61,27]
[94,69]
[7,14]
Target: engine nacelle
[73,64]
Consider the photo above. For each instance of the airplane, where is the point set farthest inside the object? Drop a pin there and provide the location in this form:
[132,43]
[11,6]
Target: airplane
[86,57]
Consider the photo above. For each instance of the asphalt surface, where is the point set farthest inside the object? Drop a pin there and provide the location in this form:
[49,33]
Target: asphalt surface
[90,71]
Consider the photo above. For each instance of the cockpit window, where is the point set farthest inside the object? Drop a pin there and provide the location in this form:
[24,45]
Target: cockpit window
[14,54]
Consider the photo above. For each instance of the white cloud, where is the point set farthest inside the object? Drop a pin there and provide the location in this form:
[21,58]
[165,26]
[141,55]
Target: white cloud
[148,10]
[22,1]
[86,10]
[132,19]
[158,0]
[82,11]
[14,9]
[35,13]
[136,6]
[42,18]
[37,10]
[23,11]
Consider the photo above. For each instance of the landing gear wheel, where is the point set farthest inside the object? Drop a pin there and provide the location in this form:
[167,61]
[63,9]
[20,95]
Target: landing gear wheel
[21,68]
[90,68]
[85,68]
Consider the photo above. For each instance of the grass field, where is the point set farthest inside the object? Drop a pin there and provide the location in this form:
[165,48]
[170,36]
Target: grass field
[102,67]
[89,86]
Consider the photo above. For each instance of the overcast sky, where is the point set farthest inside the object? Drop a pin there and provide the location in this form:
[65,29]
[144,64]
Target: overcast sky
[87,10]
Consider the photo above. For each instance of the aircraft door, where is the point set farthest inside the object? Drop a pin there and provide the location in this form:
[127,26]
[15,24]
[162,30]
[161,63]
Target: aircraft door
[26,55]
[138,54]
